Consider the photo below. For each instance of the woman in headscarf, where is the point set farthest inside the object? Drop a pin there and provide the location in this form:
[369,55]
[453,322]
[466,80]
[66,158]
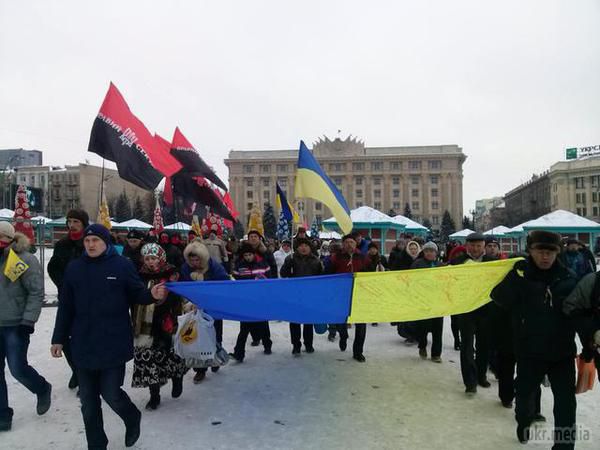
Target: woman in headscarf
[154,361]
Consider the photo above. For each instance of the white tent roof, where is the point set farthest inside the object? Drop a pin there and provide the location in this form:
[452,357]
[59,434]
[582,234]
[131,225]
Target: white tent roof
[497,231]
[41,219]
[134,223]
[561,219]
[461,234]
[329,235]
[181,226]
[409,223]
[365,214]
[6,213]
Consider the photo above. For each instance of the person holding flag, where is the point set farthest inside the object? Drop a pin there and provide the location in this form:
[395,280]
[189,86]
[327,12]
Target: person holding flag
[21,297]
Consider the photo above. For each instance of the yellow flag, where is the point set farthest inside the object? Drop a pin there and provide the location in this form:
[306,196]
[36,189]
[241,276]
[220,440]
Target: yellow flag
[103,214]
[255,221]
[15,266]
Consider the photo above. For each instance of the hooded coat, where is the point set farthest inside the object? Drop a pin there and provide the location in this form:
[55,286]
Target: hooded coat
[21,300]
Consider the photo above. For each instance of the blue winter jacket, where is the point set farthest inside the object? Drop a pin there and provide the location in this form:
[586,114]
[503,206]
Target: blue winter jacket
[93,309]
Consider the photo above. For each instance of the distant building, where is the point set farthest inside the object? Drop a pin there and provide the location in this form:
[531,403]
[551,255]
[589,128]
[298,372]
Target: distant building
[428,178]
[11,158]
[482,215]
[70,187]
[528,201]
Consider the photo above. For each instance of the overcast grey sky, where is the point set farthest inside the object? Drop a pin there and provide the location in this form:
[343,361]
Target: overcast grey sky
[513,82]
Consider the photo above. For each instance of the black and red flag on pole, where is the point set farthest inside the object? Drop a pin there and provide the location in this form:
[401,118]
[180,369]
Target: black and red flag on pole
[165,146]
[191,160]
[119,136]
[198,190]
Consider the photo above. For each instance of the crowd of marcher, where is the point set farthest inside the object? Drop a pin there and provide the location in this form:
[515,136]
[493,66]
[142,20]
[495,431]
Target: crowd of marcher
[114,307]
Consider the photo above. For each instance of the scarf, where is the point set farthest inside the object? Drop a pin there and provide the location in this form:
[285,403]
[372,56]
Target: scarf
[76,235]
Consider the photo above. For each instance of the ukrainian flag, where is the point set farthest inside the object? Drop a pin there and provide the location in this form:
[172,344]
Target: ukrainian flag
[288,210]
[312,182]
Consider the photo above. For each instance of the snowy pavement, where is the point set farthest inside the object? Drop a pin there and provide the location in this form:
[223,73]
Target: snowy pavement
[321,401]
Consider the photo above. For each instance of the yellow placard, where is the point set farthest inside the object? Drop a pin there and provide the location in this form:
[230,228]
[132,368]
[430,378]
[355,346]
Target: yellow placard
[407,295]
[15,266]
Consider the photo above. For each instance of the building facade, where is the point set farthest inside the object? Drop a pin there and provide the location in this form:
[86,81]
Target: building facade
[575,187]
[482,214]
[528,201]
[428,179]
[78,186]
[11,158]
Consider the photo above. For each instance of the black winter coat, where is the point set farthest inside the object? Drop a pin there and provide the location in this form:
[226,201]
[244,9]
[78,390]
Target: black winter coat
[534,298]
[65,251]
[93,309]
[296,265]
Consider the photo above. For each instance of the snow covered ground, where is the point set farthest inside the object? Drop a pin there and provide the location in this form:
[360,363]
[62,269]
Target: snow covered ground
[321,401]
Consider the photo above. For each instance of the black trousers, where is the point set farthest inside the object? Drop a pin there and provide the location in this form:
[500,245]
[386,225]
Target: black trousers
[106,383]
[454,325]
[434,326]
[475,346]
[307,334]
[68,357]
[530,373]
[360,334]
[261,330]
[505,369]
[219,333]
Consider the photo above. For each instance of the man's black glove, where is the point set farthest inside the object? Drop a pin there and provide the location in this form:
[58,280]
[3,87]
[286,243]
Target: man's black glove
[25,329]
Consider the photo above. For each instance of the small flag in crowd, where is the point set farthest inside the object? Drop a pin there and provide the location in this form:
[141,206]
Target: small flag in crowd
[103,214]
[285,206]
[283,227]
[255,221]
[314,228]
[157,222]
[196,226]
[312,182]
[22,217]
[15,266]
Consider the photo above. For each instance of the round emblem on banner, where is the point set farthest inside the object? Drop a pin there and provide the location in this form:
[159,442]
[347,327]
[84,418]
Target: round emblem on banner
[19,211]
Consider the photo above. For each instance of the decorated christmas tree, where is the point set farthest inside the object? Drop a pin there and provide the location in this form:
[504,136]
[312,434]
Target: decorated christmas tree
[22,217]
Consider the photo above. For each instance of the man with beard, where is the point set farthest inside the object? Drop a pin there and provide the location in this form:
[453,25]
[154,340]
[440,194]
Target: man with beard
[65,251]
[533,292]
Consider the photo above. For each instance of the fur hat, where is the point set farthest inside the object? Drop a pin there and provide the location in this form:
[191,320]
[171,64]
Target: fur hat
[544,240]
[135,234]
[246,248]
[196,248]
[80,215]
[7,230]
[301,241]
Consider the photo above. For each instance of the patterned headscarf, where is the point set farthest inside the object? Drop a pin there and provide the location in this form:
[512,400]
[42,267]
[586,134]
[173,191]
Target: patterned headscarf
[152,249]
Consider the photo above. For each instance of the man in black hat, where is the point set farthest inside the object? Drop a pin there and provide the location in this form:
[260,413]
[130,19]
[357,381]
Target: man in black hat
[66,250]
[492,247]
[475,325]
[534,292]
[133,248]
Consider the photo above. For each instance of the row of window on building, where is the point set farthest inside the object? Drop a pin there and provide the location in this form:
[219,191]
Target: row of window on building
[356,166]
[580,182]
[358,181]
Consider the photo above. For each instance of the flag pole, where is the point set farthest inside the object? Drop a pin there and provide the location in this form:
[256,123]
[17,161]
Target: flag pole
[101,185]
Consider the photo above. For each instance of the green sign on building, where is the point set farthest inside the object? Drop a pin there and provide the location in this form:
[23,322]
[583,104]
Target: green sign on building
[572,153]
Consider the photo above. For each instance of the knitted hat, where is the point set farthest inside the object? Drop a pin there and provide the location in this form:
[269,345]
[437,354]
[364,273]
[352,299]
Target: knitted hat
[475,237]
[430,246]
[492,240]
[79,214]
[98,230]
[544,240]
[153,249]
[7,230]
[302,241]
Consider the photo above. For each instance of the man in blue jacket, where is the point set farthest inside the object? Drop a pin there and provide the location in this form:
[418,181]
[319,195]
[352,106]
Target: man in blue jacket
[97,292]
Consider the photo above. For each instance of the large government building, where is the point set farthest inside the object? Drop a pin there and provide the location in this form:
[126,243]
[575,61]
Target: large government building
[428,178]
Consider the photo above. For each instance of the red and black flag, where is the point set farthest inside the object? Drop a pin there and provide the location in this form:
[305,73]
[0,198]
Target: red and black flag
[192,163]
[119,136]
[198,190]
[165,146]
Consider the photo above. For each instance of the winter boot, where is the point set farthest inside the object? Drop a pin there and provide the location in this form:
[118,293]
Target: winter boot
[296,351]
[423,353]
[154,398]
[6,420]
[132,431]
[73,382]
[523,434]
[177,387]
[343,344]
[200,375]
[215,369]
[44,400]
[309,348]
[254,343]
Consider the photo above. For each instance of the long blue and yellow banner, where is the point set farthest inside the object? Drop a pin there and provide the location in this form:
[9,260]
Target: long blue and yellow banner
[396,296]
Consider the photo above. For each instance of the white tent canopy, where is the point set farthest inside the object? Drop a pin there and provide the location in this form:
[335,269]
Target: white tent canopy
[179,226]
[461,234]
[497,231]
[134,223]
[6,213]
[41,219]
[364,214]
[410,224]
[561,219]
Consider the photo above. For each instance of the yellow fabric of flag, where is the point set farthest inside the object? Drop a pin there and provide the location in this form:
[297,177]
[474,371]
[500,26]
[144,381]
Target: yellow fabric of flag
[255,221]
[15,266]
[104,215]
[406,295]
